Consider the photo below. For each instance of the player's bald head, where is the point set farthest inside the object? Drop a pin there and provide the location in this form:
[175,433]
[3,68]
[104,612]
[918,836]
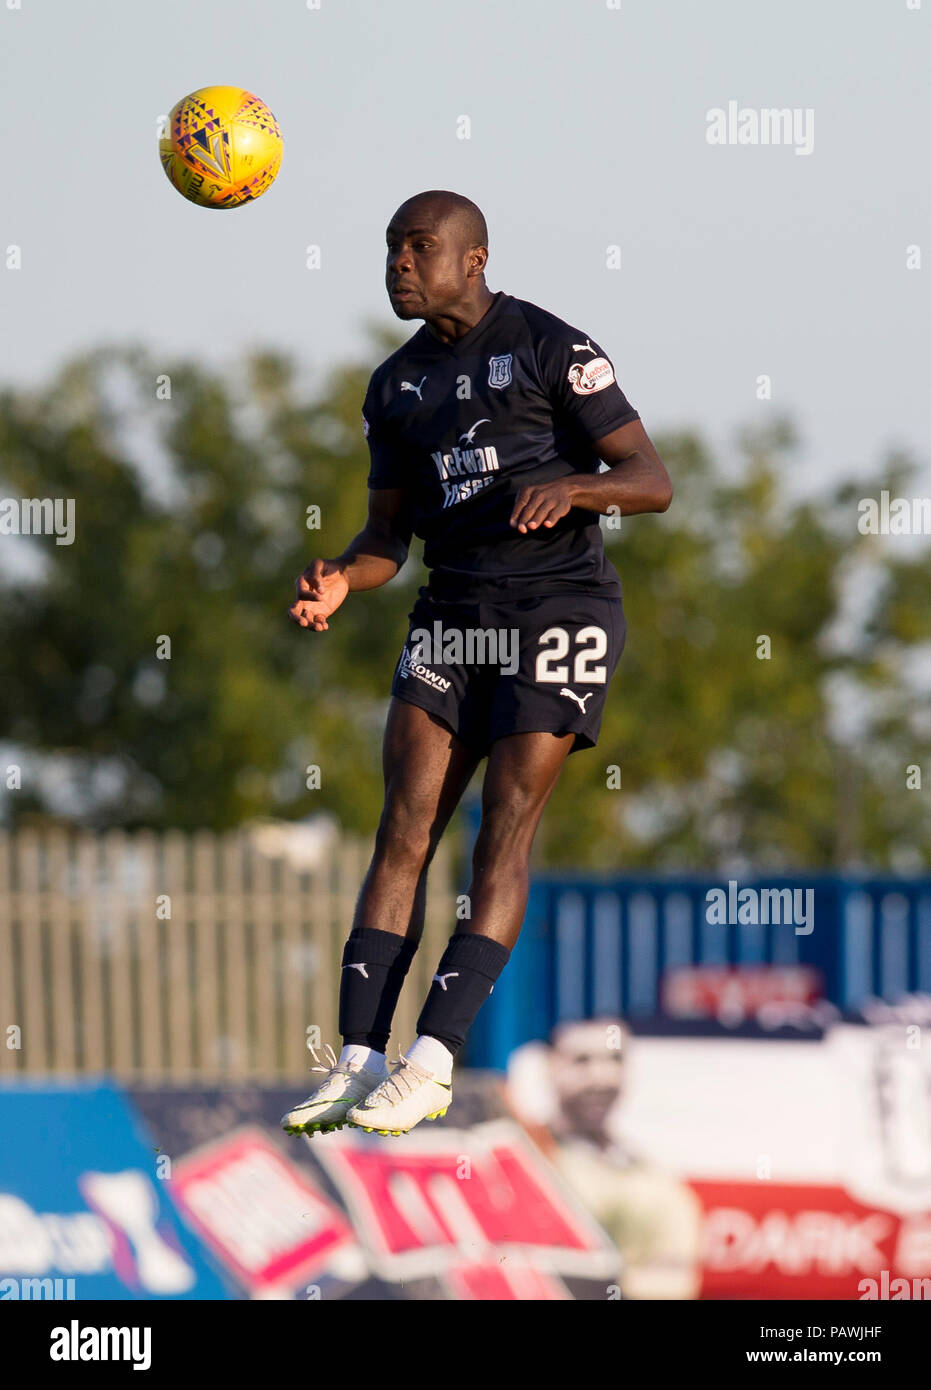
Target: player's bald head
[457,215]
[437,246]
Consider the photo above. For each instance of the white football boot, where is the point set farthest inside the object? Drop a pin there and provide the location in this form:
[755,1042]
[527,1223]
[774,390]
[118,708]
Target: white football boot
[404,1098]
[325,1109]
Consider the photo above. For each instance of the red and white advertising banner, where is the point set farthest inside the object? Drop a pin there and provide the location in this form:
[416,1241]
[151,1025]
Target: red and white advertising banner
[259,1212]
[777,1240]
[731,995]
[811,1160]
[478,1206]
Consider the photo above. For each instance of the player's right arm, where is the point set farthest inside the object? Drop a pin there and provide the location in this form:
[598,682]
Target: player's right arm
[370,560]
[380,548]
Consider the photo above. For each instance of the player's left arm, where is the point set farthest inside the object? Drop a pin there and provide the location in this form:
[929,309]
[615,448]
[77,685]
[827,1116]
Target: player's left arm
[636,481]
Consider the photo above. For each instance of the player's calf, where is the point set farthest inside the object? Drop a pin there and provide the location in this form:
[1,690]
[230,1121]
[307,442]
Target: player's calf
[421,1086]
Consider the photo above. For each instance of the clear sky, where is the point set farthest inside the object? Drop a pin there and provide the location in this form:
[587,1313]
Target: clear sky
[588,130]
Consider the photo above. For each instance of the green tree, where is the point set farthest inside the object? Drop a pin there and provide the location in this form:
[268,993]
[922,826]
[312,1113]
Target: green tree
[192,513]
[730,715]
[191,525]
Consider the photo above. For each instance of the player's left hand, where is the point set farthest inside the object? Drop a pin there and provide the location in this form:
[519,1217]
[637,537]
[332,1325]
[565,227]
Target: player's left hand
[542,504]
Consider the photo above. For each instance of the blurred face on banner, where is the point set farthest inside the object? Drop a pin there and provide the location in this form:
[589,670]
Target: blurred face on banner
[588,1073]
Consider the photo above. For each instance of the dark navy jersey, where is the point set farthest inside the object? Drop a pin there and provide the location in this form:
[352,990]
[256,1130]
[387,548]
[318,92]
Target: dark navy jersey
[461,427]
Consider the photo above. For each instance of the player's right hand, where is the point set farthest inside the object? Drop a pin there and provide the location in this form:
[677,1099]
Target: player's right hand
[320,591]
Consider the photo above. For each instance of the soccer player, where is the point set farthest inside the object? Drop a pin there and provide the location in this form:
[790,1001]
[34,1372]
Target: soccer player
[485,432]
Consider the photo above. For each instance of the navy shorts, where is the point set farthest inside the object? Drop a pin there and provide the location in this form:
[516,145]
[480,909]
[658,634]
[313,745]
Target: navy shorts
[529,665]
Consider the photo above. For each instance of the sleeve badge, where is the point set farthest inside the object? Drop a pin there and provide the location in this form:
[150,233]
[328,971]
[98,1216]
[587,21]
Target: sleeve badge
[588,377]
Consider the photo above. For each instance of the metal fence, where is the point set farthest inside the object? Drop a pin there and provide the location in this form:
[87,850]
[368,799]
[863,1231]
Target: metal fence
[173,956]
[177,957]
[591,948]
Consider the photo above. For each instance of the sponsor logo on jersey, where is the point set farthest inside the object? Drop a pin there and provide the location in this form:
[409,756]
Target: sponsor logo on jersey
[499,371]
[470,432]
[365,427]
[478,465]
[591,376]
[411,665]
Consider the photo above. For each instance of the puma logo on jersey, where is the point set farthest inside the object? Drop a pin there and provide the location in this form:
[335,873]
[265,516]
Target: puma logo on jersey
[579,699]
[441,979]
[361,969]
[408,386]
[584,347]
[470,434]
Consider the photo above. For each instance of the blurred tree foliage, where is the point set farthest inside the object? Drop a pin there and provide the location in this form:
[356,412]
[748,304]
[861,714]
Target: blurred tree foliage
[192,523]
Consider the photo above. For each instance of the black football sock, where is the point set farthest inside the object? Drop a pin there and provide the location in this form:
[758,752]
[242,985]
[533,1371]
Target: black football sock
[374,966]
[463,981]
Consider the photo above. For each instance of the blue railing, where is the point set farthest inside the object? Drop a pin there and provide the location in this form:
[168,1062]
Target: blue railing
[591,948]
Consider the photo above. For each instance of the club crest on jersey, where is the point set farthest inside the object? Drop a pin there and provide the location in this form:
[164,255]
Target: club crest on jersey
[587,377]
[499,371]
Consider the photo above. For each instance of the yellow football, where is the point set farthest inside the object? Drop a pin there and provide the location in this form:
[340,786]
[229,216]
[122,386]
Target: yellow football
[222,147]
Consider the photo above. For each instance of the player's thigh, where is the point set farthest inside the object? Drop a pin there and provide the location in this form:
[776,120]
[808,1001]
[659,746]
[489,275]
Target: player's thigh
[522,771]
[426,767]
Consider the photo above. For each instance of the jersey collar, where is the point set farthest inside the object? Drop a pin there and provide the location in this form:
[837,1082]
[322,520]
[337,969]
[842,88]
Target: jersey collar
[466,341]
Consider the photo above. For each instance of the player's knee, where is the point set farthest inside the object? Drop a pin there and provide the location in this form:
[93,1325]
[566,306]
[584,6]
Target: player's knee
[512,807]
[501,862]
[404,838]
[507,830]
